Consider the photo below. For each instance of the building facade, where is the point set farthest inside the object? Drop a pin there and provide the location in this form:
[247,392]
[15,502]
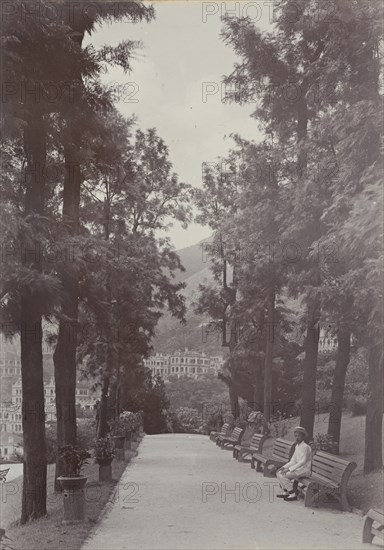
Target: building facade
[183,363]
[11,414]
[10,445]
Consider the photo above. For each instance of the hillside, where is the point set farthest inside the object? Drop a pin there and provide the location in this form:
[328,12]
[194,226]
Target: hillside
[170,333]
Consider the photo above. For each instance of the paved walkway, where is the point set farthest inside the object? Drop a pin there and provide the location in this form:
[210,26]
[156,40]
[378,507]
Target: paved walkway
[182,492]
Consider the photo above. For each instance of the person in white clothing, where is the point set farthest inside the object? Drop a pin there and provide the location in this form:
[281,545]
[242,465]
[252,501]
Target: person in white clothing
[298,466]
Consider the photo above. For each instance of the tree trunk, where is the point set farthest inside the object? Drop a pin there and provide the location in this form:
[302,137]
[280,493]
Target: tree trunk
[31,336]
[234,401]
[268,363]
[64,356]
[103,422]
[342,362]
[308,396]
[65,352]
[373,457]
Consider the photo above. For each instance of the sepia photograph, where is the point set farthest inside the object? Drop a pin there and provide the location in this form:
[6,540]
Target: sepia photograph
[192,275]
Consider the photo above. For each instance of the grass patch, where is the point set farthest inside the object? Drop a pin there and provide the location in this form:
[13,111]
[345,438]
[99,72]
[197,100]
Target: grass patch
[49,532]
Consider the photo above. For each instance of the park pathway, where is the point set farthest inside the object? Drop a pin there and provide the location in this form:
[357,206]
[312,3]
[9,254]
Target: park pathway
[181,491]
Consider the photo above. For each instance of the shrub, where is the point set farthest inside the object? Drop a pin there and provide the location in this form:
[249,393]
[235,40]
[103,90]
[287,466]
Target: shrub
[277,426]
[324,442]
[241,423]
[104,447]
[357,406]
[187,420]
[256,419]
[86,432]
[51,443]
[213,423]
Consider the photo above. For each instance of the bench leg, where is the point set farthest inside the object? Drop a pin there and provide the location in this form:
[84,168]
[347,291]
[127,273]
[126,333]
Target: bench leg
[253,464]
[258,466]
[367,530]
[311,499]
[345,506]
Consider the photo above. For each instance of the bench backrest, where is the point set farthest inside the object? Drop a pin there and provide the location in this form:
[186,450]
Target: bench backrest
[377,515]
[331,467]
[257,443]
[237,434]
[224,429]
[282,450]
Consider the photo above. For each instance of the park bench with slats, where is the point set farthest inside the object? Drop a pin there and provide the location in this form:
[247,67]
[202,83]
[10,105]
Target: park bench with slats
[373,525]
[232,440]
[329,476]
[256,446]
[224,431]
[3,474]
[281,454]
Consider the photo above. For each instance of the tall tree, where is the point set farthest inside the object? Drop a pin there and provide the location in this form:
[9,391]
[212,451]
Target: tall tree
[30,42]
[81,21]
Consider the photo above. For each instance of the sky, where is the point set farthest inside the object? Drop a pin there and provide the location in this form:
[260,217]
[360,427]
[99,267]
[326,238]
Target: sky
[176,86]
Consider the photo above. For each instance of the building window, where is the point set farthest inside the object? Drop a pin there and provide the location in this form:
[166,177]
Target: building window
[5,451]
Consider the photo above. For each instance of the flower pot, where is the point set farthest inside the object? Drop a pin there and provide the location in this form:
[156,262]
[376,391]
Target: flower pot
[119,447]
[105,468]
[73,497]
[104,461]
[119,441]
[127,442]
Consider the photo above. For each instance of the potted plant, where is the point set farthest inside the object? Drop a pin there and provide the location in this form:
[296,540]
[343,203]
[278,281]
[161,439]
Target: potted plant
[117,428]
[73,459]
[104,451]
[129,422]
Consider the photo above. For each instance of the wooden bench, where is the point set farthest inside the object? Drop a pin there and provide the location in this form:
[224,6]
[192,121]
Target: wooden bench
[256,446]
[224,431]
[329,475]
[281,454]
[3,474]
[369,530]
[232,440]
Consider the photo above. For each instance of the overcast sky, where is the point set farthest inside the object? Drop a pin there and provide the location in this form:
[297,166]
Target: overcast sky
[182,51]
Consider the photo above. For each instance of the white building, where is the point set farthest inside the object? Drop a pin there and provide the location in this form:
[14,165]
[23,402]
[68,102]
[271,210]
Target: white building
[181,363]
[9,365]
[327,340]
[10,418]
[10,444]
[11,414]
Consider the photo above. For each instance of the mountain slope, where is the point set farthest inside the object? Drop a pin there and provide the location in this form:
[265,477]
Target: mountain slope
[170,333]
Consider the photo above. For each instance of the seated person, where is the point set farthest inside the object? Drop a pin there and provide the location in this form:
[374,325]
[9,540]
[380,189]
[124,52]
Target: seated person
[298,466]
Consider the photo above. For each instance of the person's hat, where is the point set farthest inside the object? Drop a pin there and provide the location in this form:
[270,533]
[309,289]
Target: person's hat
[301,430]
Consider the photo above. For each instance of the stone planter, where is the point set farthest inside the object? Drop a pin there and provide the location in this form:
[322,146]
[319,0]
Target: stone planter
[127,442]
[119,447]
[73,497]
[105,468]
